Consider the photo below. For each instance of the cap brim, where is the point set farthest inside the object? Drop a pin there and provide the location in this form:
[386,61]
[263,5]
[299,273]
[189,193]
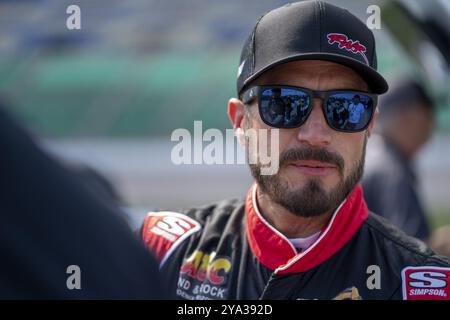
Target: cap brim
[375,81]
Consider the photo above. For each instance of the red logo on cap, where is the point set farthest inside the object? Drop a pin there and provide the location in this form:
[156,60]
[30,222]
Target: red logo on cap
[348,44]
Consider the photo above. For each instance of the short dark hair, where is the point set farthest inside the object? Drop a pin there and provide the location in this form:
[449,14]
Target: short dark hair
[405,93]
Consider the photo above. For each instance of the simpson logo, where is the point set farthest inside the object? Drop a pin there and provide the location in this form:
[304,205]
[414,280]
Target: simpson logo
[348,44]
[164,231]
[426,283]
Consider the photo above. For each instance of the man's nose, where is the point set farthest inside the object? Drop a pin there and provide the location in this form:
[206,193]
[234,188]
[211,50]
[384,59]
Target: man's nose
[315,131]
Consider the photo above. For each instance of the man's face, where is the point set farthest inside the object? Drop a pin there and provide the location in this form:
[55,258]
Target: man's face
[319,166]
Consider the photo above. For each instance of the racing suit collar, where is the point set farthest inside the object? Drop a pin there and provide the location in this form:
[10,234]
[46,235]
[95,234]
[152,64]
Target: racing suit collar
[277,253]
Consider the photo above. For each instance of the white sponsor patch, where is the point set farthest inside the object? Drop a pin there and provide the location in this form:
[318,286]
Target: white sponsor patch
[166,230]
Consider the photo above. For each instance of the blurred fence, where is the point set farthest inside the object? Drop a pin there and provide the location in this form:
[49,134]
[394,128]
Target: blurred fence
[145,175]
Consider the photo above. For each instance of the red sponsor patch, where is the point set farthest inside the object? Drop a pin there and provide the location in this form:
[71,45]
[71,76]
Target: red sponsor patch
[348,44]
[164,231]
[426,283]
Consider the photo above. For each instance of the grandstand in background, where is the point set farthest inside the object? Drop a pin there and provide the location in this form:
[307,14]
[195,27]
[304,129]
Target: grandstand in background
[111,93]
[136,68]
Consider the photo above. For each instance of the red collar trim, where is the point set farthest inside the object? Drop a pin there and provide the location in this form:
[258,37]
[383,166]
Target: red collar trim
[275,251]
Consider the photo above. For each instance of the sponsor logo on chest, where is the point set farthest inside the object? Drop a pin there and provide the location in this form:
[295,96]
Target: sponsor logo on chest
[204,276]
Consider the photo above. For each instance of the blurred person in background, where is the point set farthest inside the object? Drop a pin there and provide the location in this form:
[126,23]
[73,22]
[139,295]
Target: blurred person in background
[406,122]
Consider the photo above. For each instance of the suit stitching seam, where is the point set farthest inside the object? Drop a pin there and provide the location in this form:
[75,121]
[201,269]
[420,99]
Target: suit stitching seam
[425,256]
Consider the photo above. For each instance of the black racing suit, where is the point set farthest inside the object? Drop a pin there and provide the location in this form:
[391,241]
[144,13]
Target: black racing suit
[229,251]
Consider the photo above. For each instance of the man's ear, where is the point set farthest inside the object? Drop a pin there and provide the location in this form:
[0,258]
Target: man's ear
[236,113]
[372,123]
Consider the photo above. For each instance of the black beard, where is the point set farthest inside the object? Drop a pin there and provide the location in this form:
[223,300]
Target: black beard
[311,200]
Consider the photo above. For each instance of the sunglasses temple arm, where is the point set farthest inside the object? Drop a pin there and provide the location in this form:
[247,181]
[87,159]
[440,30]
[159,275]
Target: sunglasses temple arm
[249,94]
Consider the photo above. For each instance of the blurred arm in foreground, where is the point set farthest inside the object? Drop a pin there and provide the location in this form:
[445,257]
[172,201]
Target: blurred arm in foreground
[51,221]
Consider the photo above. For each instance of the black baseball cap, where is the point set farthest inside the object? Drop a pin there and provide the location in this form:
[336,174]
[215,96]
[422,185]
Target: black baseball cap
[310,30]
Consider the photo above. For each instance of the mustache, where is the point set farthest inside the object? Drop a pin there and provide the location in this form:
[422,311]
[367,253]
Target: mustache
[321,155]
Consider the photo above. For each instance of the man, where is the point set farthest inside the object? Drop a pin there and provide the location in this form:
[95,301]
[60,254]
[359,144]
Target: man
[340,114]
[276,107]
[406,123]
[356,110]
[304,232]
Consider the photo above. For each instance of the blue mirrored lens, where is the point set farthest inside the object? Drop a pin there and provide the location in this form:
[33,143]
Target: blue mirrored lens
[349,111]
[284,107]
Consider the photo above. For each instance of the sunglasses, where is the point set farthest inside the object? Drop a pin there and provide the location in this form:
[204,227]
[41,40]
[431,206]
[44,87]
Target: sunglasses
[288,107]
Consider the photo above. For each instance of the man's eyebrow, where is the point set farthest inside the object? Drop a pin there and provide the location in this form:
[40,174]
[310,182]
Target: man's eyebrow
[274,78]
[357,86]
